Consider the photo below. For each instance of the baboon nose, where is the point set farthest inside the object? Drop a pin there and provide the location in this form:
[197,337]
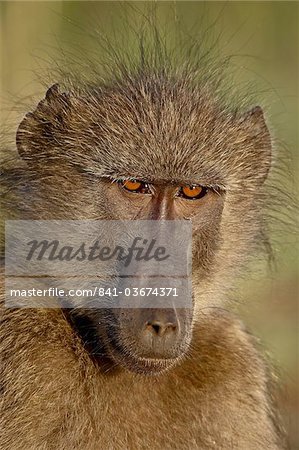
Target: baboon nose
[159,337]
[160,329]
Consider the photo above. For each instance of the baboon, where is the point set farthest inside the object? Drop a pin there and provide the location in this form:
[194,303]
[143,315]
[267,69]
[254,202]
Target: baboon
[154,142]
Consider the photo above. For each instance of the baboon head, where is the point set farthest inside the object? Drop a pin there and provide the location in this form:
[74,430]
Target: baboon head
[150,147]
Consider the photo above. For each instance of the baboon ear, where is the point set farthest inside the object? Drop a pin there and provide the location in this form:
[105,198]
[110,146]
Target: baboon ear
[255,133]
[37,130]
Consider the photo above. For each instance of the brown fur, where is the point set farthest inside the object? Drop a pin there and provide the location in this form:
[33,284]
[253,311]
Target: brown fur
[157,127]
[57,397]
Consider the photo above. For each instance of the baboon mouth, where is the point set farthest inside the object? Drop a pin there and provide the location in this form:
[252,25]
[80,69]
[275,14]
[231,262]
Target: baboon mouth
[137,364]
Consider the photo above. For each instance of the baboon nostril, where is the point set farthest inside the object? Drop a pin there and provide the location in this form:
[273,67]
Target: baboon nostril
[156,327]
[160,334]
[160,328]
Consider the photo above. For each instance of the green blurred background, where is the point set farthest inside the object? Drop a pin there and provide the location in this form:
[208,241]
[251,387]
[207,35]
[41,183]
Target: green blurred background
[264,38]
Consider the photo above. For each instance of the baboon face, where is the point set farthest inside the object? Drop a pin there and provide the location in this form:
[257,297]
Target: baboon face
[151,149]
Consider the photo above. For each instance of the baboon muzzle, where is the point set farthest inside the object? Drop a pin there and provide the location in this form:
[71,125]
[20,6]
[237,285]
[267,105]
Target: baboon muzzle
[149,340]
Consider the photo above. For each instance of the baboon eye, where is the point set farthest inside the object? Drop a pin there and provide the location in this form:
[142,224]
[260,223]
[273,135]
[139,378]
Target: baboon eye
[192,192]
[135,186]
